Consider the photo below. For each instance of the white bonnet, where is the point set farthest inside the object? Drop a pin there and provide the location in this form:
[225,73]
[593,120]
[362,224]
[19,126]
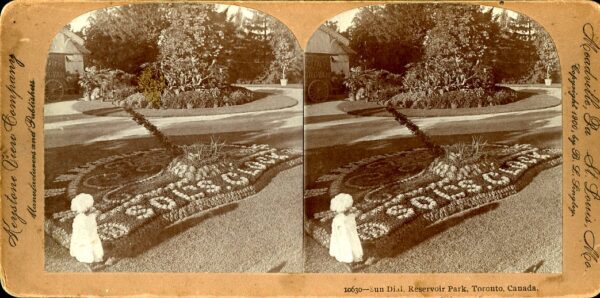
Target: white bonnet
[82,202]
[341,202]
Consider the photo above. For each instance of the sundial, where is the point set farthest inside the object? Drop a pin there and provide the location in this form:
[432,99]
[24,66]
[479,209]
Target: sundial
[137,195]
[397,195]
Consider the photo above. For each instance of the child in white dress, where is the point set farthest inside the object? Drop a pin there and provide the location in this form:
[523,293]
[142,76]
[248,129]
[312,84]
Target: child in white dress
[344,244]
[85,243]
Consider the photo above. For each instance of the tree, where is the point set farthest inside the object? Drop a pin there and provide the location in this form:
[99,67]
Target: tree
[527,53]
[125,37]
[547,63]
[287,62]
[389,37]
[196,48]
[252,49]
[459,51]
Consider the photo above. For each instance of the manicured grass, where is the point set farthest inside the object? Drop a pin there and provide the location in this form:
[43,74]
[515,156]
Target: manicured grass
[531,99]
[268,100]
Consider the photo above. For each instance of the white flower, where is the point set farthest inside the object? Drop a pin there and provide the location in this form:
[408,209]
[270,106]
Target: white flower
[209,186]
[139,211]
[255,165]
[470,186]
[446,188]
[235,179]
[515,167]
[423,202]
[377,196]
[49,193]
[372,230]
[492,177]
[163,203]
[400,212]
[264,160]
[190,188]
[111,231]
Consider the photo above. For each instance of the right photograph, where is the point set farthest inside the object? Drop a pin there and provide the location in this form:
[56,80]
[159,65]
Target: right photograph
[432,142]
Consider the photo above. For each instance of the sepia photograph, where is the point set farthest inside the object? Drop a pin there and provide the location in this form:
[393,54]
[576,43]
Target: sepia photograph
[173,141]
[433,142]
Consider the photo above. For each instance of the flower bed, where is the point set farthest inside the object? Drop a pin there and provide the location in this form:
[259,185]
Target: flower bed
[468,98]
[393,203]
[406,92]
[202,98]
[138,195]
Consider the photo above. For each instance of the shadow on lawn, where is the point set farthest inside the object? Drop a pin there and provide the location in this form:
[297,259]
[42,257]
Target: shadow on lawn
[103,111]
[416,237]
[180,227]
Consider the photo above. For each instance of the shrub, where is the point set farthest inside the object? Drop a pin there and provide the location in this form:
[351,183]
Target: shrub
[113,84]
[207,98]
[170,101]
[136,100]
[373,85]
[504,95]
[123,93]
[200,153]
[239,95]
[152,84]
[468,98]
[462,153]
[442,76]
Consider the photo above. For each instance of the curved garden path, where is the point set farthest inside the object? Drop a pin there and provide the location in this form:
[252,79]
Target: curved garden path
[63,125]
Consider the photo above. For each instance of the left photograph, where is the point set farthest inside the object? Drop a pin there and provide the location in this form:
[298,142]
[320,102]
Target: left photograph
[173,142]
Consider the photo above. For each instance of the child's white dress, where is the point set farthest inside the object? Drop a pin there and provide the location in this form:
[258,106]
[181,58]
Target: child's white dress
[85,243]
[344,244]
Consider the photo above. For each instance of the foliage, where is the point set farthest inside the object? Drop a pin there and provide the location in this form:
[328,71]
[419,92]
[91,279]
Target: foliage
[462,153]
[389,37]
[287,63]
[458,52]
[208,98]
[124,37]
[210,51]
[333,25]
[373,85]
[252,53]
[487,45]
[200,153]
[112,84]
[195,58]
[547,62]
[152,83]
[136,100]
[467,98]
[527,54]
